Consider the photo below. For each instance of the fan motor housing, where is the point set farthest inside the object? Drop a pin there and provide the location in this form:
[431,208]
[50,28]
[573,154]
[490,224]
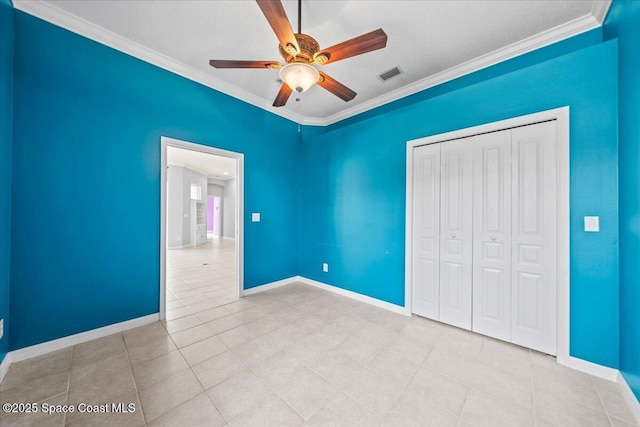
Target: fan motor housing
[308,47]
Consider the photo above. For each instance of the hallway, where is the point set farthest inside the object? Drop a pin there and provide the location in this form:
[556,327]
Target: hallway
[199,279]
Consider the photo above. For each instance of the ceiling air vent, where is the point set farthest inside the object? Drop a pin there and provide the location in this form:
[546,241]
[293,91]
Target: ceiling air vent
[391,73]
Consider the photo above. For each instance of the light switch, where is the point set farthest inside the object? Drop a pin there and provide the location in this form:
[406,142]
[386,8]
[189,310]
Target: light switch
[592,223]
[255,217]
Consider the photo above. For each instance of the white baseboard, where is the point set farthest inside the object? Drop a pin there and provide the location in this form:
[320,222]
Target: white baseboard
[600,371]
[356,296]
[271,285]
[4,366]
[330,288]
[629,397]
[60,343]
[605,373]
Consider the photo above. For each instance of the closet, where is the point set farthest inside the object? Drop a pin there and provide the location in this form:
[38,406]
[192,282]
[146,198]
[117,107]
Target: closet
[484,234]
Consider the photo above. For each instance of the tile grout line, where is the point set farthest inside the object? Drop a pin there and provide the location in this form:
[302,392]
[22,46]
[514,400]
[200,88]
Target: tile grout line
[206,391]
[467,386]
[604,408]
[133,378]
[408,384]
[276,393]
[355,399]
[73,352]
[533,390]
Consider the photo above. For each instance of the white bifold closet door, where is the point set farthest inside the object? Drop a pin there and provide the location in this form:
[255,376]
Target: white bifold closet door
[426,229]
[442,223]
[492,234]
[456,233]
[484,224]
[534,236]
[514,236]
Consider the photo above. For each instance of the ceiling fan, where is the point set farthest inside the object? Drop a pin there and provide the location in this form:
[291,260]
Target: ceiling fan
[300,51]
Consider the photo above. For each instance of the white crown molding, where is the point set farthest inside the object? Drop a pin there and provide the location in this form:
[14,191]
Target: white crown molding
[73,23]
[546,38]
[315,121]
[600,9]
[50,13]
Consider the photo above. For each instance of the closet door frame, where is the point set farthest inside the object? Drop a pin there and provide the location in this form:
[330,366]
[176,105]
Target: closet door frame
[561,116]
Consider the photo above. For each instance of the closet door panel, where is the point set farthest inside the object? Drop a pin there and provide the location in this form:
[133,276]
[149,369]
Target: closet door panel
[492,234]
[426,231]
[533,322]
[456,233]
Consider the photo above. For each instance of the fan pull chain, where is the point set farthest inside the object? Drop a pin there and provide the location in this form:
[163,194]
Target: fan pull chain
[299,127]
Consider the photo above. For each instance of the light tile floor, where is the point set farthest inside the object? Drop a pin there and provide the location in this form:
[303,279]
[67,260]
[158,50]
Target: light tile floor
[298,355]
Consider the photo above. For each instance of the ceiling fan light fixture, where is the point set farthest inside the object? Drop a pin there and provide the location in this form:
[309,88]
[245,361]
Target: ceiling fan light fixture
[301,52]
[299,76]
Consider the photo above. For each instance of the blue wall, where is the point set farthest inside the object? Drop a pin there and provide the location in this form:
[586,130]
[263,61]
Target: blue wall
[6,135]
[353,205]
[86,180]
[623,22]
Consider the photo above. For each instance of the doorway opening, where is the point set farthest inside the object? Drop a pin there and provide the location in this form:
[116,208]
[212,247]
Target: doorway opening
[201,251]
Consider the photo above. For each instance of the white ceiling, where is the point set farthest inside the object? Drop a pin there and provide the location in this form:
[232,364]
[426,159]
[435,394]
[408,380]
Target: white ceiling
[210,165]
[431,41]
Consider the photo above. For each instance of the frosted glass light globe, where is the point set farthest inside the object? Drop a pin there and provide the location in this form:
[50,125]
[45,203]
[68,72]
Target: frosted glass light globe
[299,76]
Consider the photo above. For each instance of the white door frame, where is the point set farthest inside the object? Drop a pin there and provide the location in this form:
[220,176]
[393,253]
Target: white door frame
[239,231]
[561,116]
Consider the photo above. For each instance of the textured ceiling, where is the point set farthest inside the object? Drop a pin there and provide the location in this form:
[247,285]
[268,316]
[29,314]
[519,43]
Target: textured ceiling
[430,41]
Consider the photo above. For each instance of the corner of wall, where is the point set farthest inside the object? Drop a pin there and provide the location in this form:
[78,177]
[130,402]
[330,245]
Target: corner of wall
[6,143]
[622,24]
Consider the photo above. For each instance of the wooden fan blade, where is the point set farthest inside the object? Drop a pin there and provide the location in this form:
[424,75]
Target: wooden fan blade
[335,87]
[283,95]
[221,63]
[356,46]
[277,18]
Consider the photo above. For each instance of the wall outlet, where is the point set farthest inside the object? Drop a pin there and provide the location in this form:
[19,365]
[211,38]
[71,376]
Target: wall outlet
[1,328]
[325,267]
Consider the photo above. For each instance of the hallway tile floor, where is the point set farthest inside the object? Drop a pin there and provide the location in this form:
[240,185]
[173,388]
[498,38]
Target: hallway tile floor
[301,356]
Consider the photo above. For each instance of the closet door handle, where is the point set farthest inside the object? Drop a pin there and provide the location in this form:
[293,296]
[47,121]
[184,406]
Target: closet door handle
[452,235]
[493,238]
